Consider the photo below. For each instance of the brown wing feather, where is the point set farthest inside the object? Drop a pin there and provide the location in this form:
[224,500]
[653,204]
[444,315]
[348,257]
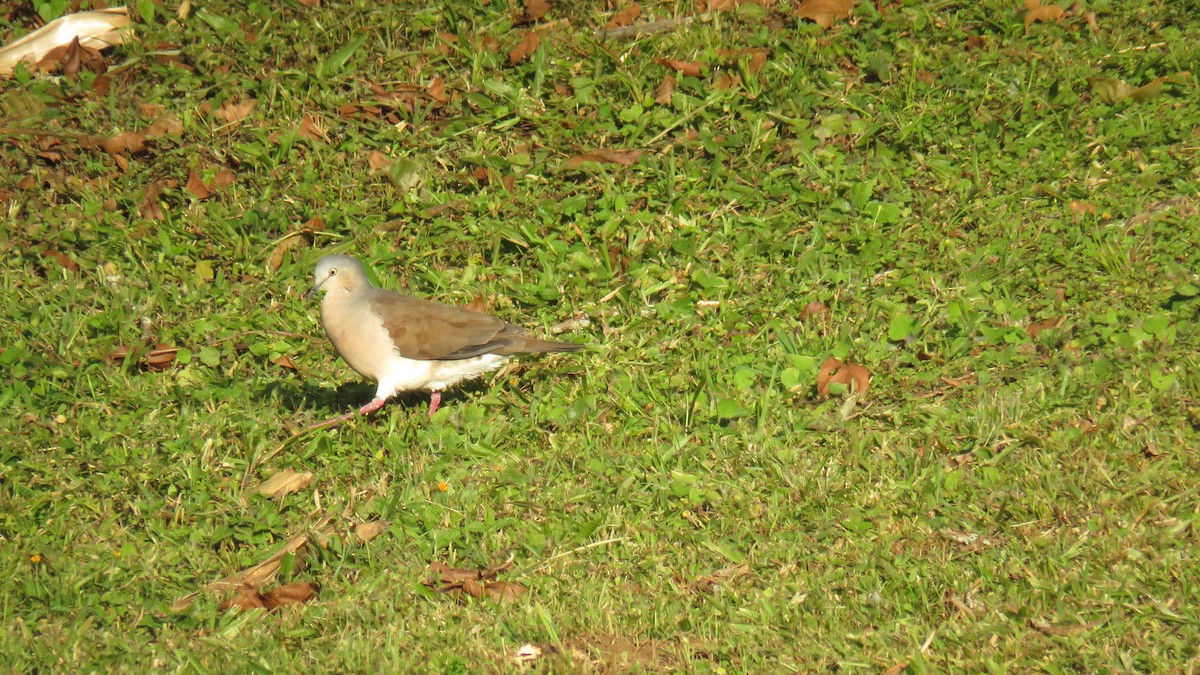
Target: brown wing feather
[431,331]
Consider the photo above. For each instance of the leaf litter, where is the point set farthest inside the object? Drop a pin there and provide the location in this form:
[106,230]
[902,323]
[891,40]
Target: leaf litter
[475,583]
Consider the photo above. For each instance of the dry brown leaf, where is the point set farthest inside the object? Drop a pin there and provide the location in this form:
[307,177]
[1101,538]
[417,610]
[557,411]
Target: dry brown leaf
[1042,13]
[601,156]
[451,575]
[223,179]
[150,209]
[625,17]
[289,594]
[27,183]
[525,47]
[1035,329]
[727,81]
[117,355]
[285,361]
[309,3]
[666,89]
[64,261]
[472,588]
[446,42]
[246,598]
[758,59]
[275,259]
[814,309]
[536,9]
[365,532]
[161,357]
[437,90]
[302,236]
[311,130]
[163,125]
[126,143]
[723,575]
[824,12]
[378,161]
[257,575]
[92,30]
[235,111]
[1060,629]
[504,591]
[196,186]
[687,68]
[1079,208]
[284,483]
[833,371]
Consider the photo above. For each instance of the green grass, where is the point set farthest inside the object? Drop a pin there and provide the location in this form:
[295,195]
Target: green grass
[677,496]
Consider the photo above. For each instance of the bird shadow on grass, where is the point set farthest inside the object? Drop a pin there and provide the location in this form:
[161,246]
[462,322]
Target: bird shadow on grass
[349,396]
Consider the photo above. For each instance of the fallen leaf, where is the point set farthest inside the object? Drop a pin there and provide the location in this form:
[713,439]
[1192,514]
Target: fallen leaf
[27,183]
[536,9]
[601,156]
[833,371]
[1042,13]
[1061,629]
[235,111]
[813,309]
[727,81]
[311,130]
[758,59]
[525,47]
[451,575]
[246,598]
[686,68]
[289,594]
[163,125]
[824,12]
[92,30]
[117,355]
[666,89]
[223,179]
[1035,329]
[475,583]
[625,17]
[284,483]
[150,209]
[64,261]
[1148,91]
[285,361]
[437,90]
[722,576]
[196,186]
[1079,208]
[365,532]
[504,591]
[378,161]
[126,143]
[161,357]
[263,572]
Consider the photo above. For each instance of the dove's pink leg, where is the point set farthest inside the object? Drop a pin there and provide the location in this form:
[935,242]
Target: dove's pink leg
[375,404]
[435,399]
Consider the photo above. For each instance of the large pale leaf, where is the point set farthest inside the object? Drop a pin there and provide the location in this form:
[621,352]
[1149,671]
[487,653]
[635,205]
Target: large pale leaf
[98,30]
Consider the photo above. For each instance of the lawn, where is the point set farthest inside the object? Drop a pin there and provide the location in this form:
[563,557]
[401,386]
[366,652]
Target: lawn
[992,210]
